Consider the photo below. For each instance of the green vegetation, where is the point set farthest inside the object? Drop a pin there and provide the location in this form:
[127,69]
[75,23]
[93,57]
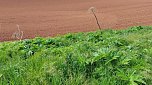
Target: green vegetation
[108,57]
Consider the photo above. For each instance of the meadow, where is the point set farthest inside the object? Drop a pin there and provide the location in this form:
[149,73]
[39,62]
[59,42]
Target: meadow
[103,57]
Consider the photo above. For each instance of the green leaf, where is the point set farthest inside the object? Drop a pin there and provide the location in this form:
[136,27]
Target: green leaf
[1,75]
[137,78]
[125,61]
[97,57]
[133,83]
[114,58]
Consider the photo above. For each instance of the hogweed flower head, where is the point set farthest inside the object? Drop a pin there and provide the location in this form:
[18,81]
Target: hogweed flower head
[92,10]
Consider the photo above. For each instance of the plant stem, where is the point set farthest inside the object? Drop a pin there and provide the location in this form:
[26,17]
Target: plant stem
[96,20]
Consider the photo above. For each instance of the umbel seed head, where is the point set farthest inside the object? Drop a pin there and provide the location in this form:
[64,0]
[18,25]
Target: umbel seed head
[92,9]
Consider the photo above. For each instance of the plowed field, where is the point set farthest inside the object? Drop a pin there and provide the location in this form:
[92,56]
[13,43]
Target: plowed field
[52,17]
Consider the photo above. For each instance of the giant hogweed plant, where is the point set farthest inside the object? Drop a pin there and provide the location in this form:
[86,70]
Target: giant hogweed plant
[93,11]
[18,34]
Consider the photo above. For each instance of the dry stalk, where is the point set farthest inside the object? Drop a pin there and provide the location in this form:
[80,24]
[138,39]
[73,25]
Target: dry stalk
[18,34]
[93,10]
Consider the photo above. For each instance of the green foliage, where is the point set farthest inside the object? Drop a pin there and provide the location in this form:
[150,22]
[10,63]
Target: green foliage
[108,57]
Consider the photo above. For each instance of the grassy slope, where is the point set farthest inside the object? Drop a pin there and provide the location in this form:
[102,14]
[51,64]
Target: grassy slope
[109,57]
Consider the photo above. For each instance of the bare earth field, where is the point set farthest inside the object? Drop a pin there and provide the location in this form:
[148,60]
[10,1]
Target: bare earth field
[52,17]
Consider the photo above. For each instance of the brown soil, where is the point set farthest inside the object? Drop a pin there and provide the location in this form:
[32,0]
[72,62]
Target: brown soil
[52,17]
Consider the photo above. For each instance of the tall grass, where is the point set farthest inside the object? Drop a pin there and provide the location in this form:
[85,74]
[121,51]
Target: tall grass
[108,57]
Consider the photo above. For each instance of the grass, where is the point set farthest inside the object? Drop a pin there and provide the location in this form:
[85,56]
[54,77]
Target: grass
[104,57]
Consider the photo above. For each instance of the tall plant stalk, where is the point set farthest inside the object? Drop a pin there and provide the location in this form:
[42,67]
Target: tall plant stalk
[92,10]
[18,34]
